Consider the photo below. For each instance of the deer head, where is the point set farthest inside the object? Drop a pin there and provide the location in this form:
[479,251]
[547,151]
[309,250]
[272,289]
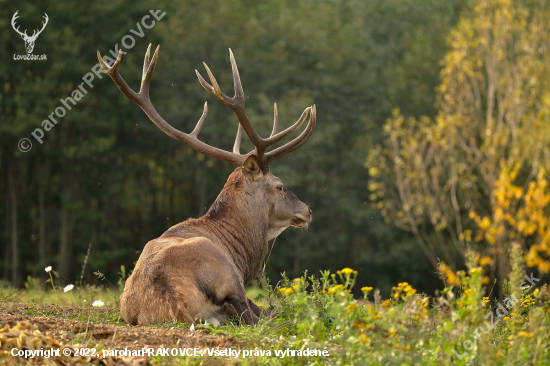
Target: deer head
[29,40]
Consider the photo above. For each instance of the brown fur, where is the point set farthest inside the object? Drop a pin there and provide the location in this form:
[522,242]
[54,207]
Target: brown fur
[197,269]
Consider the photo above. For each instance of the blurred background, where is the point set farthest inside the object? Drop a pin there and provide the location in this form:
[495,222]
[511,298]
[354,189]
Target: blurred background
[432,132]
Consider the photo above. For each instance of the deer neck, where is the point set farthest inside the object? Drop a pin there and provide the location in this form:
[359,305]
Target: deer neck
[242,230]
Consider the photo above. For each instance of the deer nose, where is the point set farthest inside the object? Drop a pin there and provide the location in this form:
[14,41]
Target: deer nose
[310,212]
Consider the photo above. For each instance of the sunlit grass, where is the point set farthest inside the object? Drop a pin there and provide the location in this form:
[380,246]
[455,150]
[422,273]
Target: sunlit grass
[40,292]
[461,326]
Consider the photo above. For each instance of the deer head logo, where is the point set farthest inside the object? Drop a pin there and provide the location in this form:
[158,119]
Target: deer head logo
[29,40]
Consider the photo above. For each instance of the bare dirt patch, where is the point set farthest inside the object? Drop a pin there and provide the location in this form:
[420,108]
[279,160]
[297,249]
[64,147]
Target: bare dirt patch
[91,327]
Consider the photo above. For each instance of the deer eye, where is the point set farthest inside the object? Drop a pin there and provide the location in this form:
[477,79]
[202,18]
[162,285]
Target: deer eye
[279,188]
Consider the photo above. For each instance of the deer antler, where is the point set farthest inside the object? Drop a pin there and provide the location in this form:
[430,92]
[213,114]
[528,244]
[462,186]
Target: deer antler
[37,33]
[236,103]
[15,16]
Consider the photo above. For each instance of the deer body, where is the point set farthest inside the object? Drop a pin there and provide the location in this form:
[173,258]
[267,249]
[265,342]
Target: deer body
[197,270]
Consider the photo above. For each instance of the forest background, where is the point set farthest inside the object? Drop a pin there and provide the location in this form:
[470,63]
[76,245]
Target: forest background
[431,134]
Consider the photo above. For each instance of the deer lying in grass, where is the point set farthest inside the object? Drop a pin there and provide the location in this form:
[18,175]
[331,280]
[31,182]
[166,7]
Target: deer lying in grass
[198,269]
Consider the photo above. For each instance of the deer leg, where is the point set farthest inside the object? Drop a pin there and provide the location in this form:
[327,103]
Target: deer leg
[255,309]
[236,306]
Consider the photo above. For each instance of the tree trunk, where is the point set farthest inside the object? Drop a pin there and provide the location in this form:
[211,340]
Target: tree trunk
[42,250]
[5,238]
[65,247]
[15,275]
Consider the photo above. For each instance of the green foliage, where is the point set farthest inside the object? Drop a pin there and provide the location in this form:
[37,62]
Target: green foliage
[106,175]
[319,312]
[436,177]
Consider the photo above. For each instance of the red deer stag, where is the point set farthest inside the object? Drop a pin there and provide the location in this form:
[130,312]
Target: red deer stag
[198,269]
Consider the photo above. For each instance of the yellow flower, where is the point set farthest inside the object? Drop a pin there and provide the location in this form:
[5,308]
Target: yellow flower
[505,318]
[363,338]
[288,291]
[295,287]
[513,314]
[467,292]
[386,303]
[351,307]
[405,348]
[486,300]
[423,303]
[366,289]
[335,289]
[485,223]
[392,331]
[484,261]
[475,270]
[525,334]
[296,280]
[347,270]
[536,292]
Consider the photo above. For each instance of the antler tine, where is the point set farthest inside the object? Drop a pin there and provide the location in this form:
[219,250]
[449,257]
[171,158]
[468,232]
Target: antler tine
[281,135]
[146,61]
[214,89]
[236,104]
[238,139]
[148,73]
[198,127]
[239,93]
[275,121]
[112,71]
[298,141]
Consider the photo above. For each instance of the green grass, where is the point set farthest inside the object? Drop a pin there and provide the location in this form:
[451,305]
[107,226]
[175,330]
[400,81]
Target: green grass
[37,292]
[319,312]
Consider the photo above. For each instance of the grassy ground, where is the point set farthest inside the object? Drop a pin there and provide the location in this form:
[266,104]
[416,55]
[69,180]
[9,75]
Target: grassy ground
[318,313]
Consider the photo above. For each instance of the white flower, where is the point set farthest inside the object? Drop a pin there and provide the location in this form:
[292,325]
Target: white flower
[48,268]
[68,288]
[98,303]
[192,327]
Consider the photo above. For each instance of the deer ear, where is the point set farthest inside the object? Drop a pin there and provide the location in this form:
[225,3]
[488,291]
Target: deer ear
[251,168]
